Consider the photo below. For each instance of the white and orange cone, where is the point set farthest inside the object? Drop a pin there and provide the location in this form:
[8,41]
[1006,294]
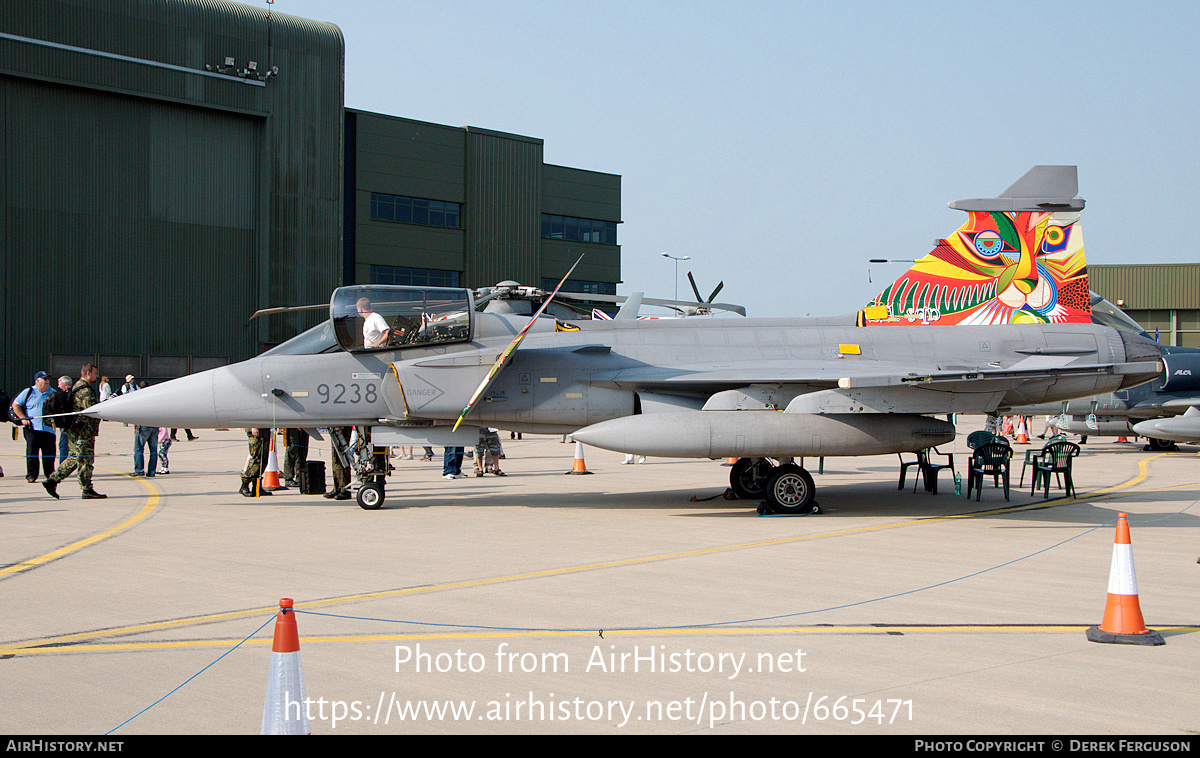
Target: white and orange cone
[285,710]
[1123,621]
[271,475]
[578,467]
[1022,434]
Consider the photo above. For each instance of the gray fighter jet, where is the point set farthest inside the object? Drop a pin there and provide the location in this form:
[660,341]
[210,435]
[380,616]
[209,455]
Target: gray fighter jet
[1149,410]
[997,315]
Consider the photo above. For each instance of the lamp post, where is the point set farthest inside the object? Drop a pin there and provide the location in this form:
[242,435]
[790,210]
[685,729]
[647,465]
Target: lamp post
[677,260]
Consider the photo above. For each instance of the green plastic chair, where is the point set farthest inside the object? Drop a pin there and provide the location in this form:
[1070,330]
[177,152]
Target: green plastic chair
[1055,458]
[975,439]
[991,460]
[1031,455]
[928,468]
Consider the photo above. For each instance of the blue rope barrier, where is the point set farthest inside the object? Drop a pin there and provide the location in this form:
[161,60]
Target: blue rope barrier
[190,678]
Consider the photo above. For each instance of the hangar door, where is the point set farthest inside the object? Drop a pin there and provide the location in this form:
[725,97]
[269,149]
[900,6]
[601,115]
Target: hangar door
[130,226]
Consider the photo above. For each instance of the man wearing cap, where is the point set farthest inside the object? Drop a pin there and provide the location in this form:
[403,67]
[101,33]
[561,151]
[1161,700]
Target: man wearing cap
[81,437]
[39,433]
[129,385]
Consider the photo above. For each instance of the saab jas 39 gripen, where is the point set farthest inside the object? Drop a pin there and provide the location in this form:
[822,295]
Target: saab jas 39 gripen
[997,315]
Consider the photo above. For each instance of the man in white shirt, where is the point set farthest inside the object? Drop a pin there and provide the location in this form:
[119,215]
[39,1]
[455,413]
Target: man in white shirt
[375,329]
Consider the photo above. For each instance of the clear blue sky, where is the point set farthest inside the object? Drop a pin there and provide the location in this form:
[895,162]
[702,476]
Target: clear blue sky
[782,144]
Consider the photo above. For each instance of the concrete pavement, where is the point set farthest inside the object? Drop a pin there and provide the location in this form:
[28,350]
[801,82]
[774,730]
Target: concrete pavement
[477,605]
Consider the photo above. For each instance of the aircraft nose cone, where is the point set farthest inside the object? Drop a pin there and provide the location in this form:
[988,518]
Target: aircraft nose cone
[186,402]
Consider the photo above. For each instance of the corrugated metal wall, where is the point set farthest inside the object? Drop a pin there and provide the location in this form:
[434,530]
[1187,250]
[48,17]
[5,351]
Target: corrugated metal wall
[582,194]
[502,212]
[148,206]
[1155,286]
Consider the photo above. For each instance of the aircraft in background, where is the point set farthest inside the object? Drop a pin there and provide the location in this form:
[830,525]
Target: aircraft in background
[1185,428]
[1136,410]
[766,391]
[512,298]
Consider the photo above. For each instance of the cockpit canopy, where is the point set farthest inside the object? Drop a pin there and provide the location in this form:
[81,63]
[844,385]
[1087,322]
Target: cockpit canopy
[1107,314]
[388,317]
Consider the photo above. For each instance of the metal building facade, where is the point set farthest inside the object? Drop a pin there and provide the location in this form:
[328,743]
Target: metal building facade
[1162,297]
[502,190]
[154,195]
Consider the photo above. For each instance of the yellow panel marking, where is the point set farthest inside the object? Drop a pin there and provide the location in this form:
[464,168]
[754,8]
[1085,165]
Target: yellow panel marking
[548,379]
[849,350]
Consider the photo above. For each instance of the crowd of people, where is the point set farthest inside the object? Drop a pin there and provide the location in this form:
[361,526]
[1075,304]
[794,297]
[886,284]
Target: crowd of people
[1015,426]
[73,438]
[76,434]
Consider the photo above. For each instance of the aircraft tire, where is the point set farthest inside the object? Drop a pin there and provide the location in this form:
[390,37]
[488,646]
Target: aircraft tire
[370,496]
[1160,445]
[748,477]
[790,489]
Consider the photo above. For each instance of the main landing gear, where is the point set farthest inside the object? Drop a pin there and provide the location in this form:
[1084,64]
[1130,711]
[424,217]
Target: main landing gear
[783,486]
[367,466]
[1159,445]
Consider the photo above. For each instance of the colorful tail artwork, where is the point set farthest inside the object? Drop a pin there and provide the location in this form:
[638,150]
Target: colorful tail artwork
[1017,260]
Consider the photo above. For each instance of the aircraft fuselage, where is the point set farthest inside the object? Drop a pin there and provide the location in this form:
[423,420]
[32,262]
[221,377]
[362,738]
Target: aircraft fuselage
[561,381]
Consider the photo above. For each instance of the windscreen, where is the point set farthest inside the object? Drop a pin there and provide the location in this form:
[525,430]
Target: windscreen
[382,317]
[313,341]
[1107,314]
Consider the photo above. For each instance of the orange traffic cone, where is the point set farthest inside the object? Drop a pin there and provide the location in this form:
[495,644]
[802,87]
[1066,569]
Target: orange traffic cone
[271,475]
[578,467]
[1122,438]
[285,710]
[730,460]
[1022,435]
[1123,614]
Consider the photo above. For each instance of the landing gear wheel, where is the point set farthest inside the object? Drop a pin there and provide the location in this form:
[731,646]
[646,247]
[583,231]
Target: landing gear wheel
[370,496]
[1160,445]
[748,477]
[790,489]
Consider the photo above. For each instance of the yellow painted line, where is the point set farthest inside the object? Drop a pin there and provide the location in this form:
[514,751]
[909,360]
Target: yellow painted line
[61,640]
[608,634]
[147,509]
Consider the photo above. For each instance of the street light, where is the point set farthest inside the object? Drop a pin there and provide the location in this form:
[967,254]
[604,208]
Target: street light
[677,260]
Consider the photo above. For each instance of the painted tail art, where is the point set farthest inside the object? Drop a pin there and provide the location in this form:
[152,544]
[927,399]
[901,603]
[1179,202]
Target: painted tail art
[1017,260]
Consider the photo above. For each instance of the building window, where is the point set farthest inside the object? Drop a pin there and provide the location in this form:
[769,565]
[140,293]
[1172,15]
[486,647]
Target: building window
[414,277]
[581,286]
[415,210]
[578,229]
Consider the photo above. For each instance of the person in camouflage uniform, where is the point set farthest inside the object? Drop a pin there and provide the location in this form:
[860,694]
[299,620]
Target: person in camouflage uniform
[81,437]
[259,440]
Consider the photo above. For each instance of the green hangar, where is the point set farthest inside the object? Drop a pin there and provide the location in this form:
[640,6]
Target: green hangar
[1163,297]
[171,166]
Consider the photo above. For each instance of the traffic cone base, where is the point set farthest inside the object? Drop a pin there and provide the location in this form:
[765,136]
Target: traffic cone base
[1123,622]
[578,467]
[1148,637]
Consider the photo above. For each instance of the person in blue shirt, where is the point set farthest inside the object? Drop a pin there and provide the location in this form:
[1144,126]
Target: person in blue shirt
[39,433]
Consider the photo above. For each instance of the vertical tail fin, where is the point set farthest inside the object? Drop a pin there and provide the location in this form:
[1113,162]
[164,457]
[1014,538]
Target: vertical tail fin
[1018,259]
